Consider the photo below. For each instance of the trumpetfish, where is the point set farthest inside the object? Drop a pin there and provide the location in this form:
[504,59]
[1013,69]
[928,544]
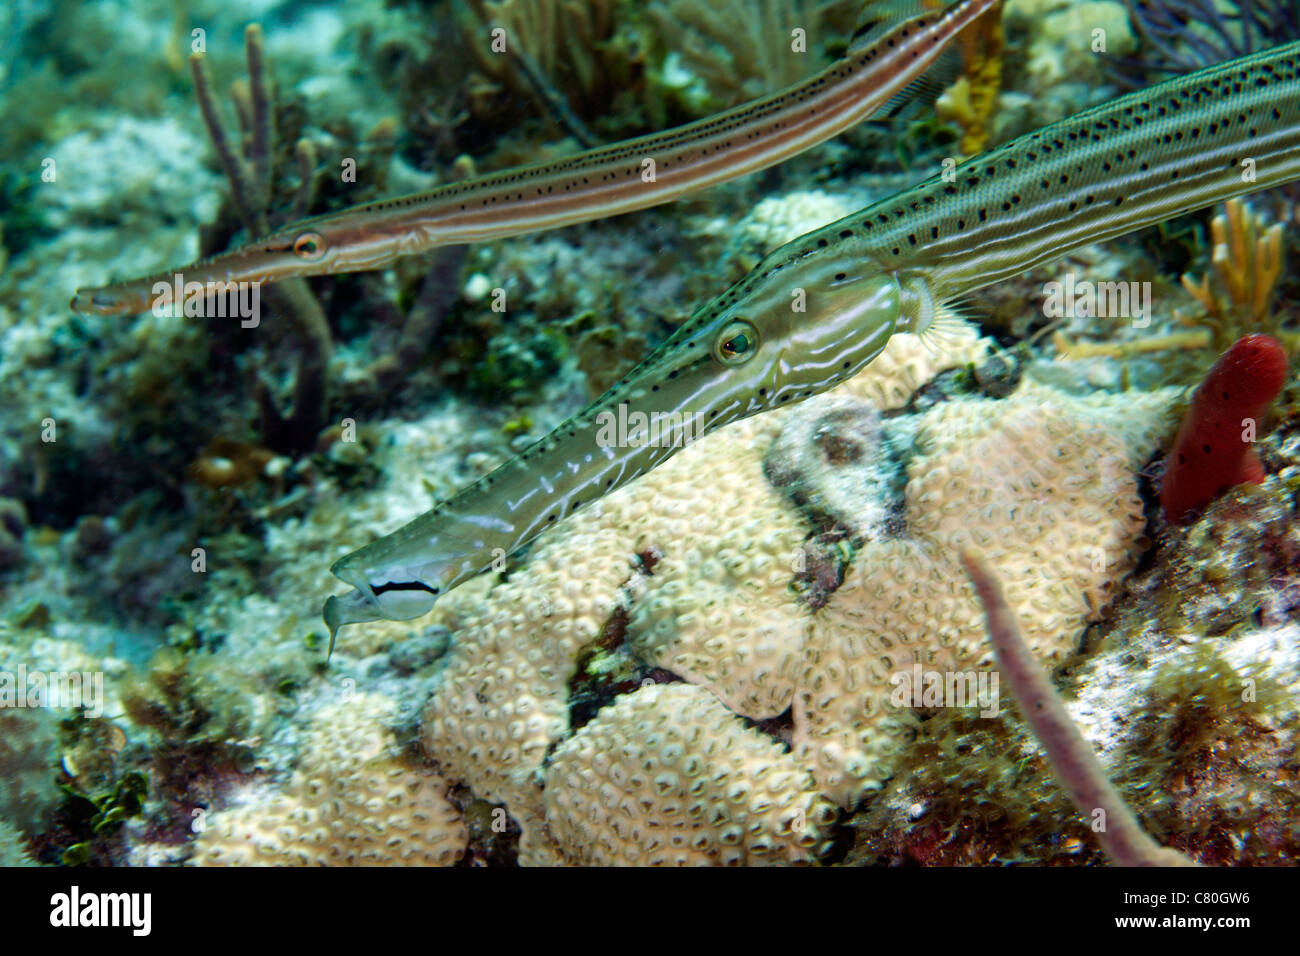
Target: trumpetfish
[884,63]
[1182,145]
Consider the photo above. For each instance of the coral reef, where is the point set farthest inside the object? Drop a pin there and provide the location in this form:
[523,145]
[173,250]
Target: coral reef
[1046,490]
[1056,45]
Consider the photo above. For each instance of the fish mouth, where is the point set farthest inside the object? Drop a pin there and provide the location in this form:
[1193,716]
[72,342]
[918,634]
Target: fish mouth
[390,601]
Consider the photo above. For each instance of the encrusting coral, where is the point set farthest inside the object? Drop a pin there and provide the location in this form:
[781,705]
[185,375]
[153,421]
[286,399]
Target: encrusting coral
[702,588]
[668,776]
[690,586]
[352,800]
[1045,484]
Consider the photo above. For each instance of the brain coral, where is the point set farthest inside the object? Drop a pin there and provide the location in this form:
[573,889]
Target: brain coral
[718,609]
[351,801]
[668,776]
[715,607]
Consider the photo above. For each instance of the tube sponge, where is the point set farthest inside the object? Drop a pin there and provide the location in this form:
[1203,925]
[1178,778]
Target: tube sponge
[1212,451]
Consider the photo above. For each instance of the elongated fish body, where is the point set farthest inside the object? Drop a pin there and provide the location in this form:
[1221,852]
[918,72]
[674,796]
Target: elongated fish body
[593,184]
[746,351]
[1183,145]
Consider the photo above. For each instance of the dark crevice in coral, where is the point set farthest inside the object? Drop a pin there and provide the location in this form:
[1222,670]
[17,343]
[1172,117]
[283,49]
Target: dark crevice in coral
[779,728]
[493,833]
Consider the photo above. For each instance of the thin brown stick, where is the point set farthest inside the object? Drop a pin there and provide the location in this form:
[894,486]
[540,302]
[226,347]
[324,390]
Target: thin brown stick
[263,120]
[231,163]
[302,200]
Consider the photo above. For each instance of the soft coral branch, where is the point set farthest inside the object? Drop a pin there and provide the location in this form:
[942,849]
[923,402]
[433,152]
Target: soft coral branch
[249,170]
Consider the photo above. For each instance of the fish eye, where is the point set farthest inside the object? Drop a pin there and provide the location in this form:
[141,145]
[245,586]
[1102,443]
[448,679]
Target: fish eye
[309,246]
[737,343]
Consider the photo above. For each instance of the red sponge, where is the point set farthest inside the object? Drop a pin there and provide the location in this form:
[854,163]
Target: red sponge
[1212,451]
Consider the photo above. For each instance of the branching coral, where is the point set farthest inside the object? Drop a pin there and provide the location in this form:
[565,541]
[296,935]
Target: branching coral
[1185,35]
[249,172]
[13,848]
[1246,258]
[1235,298]
[1214,447]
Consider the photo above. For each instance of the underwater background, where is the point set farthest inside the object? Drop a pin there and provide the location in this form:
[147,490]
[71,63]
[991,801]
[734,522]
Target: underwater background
[699,668]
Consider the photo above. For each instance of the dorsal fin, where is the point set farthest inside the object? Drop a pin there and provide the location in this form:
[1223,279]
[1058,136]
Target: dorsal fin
[878,17]
[922,92]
